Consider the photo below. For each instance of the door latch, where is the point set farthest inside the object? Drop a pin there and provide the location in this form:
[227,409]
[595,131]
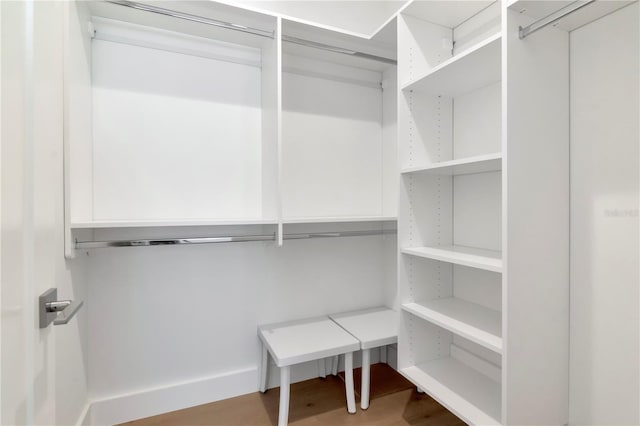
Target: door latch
[57,311]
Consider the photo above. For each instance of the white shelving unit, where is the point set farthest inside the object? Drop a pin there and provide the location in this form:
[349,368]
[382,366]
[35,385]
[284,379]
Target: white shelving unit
[299,135]
[482,228]
[145,149]
[449,221]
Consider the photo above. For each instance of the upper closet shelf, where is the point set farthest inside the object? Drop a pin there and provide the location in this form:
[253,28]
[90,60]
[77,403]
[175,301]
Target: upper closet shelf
[489,260]
[476,67]
[224,222]
[169,223]
[339,219]
[212,20]
[463,166]
[450,14]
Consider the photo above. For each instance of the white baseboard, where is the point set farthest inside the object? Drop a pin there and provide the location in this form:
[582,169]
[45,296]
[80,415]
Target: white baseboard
[160,400]
[151,402]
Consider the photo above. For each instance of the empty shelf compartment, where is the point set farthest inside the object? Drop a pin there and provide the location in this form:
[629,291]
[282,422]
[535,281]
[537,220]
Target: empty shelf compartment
[469,320]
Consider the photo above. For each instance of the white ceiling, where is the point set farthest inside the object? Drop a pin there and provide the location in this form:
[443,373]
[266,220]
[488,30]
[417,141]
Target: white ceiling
[362,18]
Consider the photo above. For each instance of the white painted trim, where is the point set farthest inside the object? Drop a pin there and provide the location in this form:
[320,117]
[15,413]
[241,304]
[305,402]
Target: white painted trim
[154,401]
[1,234]
[84,419]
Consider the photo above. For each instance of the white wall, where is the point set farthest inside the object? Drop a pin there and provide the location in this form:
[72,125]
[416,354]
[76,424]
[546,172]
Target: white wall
[605,322]
[157,111]
[167,320]
[331,148]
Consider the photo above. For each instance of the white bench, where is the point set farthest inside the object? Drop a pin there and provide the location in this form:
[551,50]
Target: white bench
[295,342]
[374,328]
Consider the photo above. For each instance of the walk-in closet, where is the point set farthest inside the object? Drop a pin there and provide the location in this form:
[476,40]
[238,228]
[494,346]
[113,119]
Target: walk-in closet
[327,212]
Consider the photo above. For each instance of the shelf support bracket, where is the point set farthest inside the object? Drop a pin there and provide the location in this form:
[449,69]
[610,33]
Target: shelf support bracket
[554,17]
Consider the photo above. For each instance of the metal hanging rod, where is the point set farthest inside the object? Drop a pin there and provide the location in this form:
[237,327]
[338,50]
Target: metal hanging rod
[555,16]
[192,18]
[83,245]
[250,30]
[322,46]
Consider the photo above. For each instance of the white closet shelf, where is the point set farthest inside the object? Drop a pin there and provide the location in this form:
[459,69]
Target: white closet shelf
[463,166]
[469,320]
[338,219]
[489,260]
[220,222]
[169,223]
[445,13]
[476,67]
[470,395]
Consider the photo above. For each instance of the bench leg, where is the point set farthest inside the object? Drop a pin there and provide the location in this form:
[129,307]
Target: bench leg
[334,365]
[285,378]
[263,369]
[366,377]
[322,368]
[348,382]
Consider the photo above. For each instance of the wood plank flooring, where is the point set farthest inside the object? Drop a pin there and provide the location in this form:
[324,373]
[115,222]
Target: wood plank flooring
[315,402]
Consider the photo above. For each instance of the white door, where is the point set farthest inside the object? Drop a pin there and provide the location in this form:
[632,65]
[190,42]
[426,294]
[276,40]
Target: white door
[31,250]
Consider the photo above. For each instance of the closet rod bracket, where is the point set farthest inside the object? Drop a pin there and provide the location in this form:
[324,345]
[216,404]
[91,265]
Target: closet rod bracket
[552,18]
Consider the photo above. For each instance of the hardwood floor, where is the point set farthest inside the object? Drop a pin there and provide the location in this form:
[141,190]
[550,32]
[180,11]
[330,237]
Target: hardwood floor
[315,402]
